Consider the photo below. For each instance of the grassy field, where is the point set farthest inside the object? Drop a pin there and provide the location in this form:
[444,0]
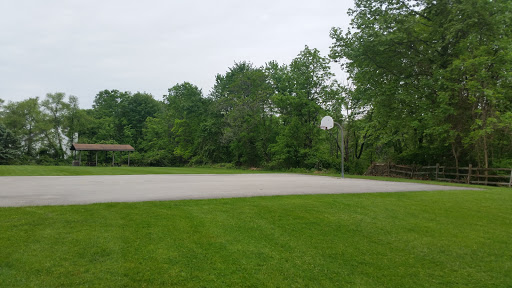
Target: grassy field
[417,239]
[13,170]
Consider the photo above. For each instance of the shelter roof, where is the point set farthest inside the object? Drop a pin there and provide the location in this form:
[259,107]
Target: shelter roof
[101,147]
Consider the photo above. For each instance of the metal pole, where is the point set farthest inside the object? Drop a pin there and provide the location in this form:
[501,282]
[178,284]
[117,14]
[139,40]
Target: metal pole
[510,181]
[342,154]
[342,151]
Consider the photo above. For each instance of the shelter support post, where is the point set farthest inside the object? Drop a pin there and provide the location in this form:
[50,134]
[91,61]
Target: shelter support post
[96,158]
[128,158]
[80,158]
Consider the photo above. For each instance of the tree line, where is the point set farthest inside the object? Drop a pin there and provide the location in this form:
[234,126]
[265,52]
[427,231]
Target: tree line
[429,82]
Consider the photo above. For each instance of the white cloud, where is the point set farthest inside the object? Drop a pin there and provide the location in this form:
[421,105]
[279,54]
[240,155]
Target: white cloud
[82,47]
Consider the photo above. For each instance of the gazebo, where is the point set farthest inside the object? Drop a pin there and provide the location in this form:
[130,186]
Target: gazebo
[101,147]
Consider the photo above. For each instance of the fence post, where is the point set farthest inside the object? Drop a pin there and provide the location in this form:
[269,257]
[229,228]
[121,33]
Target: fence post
[437,170]
[469,173]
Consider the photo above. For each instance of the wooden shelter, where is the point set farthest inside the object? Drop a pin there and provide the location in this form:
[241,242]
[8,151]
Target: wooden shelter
[101,147]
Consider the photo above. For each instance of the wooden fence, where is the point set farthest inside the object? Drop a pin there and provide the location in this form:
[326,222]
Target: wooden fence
[468,175]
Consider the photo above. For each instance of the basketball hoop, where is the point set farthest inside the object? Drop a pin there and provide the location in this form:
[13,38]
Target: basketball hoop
[327,123]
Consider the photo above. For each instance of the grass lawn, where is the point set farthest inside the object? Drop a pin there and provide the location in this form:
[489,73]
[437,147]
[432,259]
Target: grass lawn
[417,239]
[26,170]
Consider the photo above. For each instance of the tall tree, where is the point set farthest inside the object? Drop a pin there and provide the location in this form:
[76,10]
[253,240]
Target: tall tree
[25,120]
[242,96]
[9,146]
[107,110]
[431,72]
[73,120]
[185,111]
[106,103]
[302,91]
[56,110]
[134,110]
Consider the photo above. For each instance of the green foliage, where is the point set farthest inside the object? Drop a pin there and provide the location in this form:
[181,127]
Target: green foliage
[430,82]
[242,97]
[107,103]
[133,112]
[9,146]
[434,76]
[53,131]
[25,119]
[156,149]
[303,89]
[185,112]
[253,117]
[120,116]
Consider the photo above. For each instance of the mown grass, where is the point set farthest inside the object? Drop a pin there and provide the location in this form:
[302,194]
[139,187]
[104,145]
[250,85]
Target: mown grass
[26,170]
[406,180]
[417,239]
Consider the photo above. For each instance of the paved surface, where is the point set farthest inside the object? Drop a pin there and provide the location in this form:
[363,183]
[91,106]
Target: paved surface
[64,190]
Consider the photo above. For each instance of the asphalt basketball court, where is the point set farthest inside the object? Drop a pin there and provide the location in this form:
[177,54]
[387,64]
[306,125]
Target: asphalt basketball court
[66,190]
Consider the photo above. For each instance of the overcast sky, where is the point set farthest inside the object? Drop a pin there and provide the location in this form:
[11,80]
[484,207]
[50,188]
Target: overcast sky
[83,47]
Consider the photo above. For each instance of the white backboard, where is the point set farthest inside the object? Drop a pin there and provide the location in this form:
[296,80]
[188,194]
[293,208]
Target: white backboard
[327,123]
